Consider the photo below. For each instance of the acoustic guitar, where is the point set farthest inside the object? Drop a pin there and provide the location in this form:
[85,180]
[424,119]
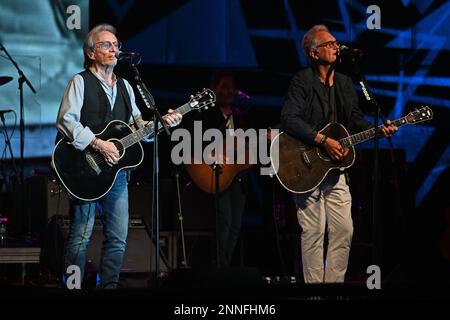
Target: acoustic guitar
[300,168]
[204,174]
[87,176]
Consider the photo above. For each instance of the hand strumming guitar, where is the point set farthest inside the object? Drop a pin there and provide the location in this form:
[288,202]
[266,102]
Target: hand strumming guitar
[107,149]
[333,147]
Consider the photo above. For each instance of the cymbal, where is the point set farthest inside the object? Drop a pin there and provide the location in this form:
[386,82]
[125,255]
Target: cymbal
[4,80]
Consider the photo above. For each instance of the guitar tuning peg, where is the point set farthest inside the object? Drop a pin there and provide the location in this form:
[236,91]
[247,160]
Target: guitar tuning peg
[192,96]
[206,108]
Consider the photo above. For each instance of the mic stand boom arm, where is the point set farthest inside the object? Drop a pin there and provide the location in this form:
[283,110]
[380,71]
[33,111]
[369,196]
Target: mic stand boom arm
[372,100]
[22,79]
[148,100]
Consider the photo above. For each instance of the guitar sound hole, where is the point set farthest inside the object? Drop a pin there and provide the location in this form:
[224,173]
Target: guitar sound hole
[323,154]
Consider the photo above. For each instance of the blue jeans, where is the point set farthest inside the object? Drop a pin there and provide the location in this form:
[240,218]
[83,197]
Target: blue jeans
[114,207]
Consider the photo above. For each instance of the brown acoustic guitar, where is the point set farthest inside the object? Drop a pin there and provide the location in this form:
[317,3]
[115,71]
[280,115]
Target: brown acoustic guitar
[300,168]
[204,177]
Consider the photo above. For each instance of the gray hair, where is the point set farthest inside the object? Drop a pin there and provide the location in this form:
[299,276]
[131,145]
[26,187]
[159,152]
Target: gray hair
[88,44]
[309,39]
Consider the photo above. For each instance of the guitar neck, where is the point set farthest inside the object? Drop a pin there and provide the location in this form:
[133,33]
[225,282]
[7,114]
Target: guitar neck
[149,130]
[367,134]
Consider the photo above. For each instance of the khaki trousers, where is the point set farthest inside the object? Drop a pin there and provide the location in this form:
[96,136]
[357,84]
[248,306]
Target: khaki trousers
[328,208]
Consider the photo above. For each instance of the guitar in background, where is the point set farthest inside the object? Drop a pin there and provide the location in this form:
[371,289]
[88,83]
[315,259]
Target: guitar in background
[204,177]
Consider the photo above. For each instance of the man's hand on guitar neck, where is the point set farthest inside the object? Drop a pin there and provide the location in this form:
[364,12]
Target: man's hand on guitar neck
[389,130]
[172,118]
[337,152]
[333,147]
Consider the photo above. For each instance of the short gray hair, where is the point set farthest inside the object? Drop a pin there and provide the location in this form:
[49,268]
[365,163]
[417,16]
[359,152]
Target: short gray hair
[309,39]
[88,44]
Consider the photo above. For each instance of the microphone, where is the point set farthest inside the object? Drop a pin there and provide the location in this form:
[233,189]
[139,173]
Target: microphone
[352,52]
[241,94]
[5,111]
[121,54]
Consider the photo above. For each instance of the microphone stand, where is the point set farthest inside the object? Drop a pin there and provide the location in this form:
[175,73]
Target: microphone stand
[376,246]
[184,263]
[22,78]
[217,171]
[158,122]
[8,143]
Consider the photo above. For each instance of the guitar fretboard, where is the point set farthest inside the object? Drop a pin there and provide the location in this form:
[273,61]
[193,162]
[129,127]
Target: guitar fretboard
[367,134]
[148,130]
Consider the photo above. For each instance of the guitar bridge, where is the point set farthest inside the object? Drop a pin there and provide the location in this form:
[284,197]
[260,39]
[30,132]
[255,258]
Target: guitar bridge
[91,161]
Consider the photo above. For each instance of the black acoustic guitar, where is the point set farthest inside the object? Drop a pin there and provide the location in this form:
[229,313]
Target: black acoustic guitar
[300,168]
[87,176]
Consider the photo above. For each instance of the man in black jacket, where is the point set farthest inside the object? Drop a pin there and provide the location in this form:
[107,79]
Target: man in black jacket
[318,96]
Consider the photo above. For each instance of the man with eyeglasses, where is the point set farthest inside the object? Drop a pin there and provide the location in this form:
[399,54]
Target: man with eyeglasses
[92,99]
[317,96]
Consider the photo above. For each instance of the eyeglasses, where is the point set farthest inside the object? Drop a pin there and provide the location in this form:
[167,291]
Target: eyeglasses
[329,44]
[106,45]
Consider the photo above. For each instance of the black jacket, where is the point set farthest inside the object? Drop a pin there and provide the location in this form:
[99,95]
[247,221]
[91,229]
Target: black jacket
[303,113]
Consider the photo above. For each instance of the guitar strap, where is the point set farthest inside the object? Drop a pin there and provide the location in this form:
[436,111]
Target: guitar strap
[127,99]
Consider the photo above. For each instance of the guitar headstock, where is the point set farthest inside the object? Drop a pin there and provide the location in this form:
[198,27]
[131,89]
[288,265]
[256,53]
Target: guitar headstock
[419,115]
[202,99]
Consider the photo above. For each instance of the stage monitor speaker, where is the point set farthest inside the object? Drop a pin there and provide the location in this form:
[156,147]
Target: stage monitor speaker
[197,206]
[45,198]
[47,194]
[140,203]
